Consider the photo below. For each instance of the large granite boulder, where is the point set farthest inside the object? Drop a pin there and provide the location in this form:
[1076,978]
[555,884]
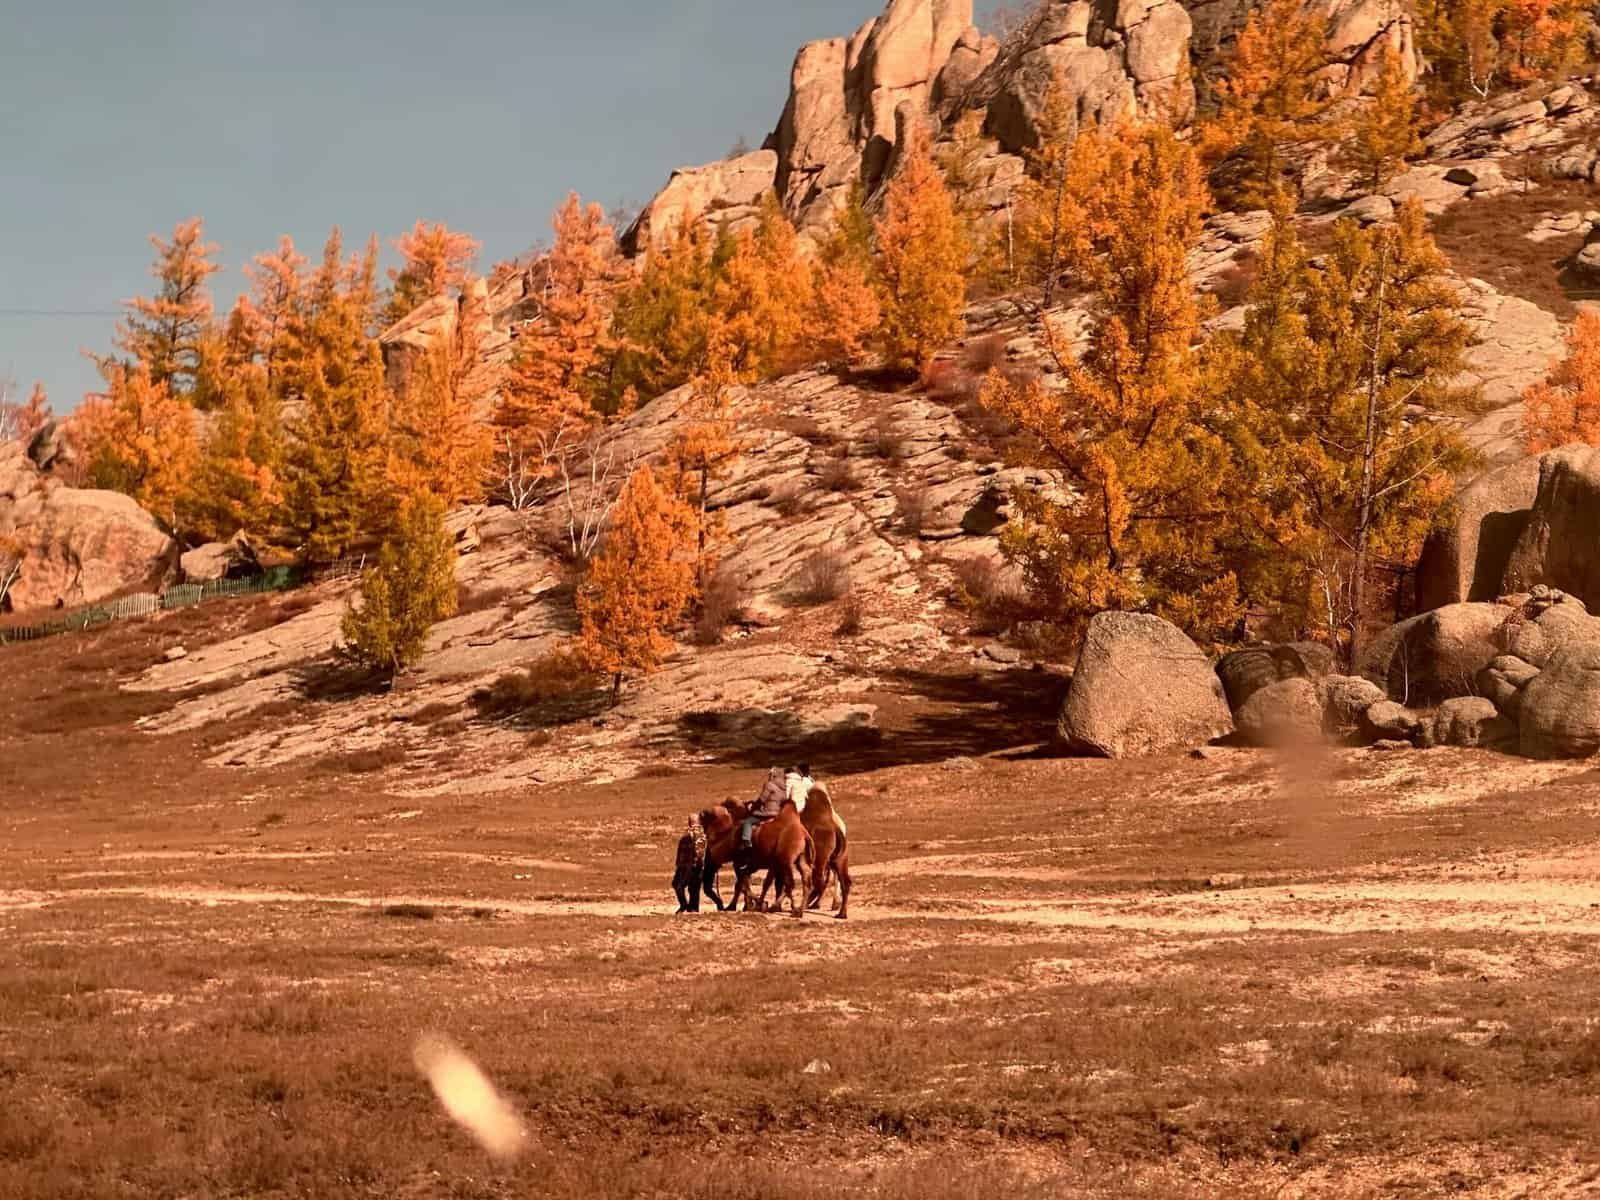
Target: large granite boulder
[1286,713]
[1560,709]
[1141,686]
[1560,547]
[1345,701]
[1470,722]
[1466,559]
[76,545]
[1437,656]
[726,193]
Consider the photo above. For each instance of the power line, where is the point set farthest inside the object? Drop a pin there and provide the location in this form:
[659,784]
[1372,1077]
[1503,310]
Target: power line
[59,312]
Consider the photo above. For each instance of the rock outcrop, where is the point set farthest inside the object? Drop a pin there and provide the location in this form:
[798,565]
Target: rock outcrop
[923,62]
[1560,709]
[1437,656]
[1287,713]
[77,545]
[1560,546]
[1141,687]
[1467,559]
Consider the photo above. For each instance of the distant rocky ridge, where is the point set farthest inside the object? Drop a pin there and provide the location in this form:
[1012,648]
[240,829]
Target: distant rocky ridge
[924,62]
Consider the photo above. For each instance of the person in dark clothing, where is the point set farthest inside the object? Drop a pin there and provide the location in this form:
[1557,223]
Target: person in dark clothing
[691,859]
[767,806]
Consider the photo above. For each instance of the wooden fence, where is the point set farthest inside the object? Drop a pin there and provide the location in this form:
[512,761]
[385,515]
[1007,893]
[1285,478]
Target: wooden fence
[142,604]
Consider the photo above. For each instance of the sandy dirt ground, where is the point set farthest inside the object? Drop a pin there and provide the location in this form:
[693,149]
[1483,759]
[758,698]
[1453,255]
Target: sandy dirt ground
[1341,974]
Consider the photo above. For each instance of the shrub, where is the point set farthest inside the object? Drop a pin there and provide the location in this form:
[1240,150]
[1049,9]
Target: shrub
[986,591]
[838,474]
[721,604]
[554,688]
[412,587]
[888,439]
[985,354]
[789,499]
[912,506]
[850,615]
[951,384]
[823,578]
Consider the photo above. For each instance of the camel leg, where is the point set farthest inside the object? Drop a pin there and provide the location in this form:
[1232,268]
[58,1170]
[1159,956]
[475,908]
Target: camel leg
[708,884]
[795,895]
[842,868]
[766,886]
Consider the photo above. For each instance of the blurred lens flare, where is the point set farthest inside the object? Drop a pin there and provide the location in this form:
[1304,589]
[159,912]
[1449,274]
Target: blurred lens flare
[468,1097]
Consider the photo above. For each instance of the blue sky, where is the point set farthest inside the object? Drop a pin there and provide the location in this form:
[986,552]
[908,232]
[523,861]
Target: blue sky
[119,118]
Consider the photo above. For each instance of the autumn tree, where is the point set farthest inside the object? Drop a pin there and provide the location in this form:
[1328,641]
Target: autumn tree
[165,333]
[410,589]
[1056,225]
[703,447]
[331,378]
[662,317]
[22,421]
[438,261]
[1272,103]
[277,281]
[845,310]
[1565,408]
[1341,377]
[238,483]
[1384,132]
[760,300]
[137,438]
[1133,521]
[553,391]
[639,584]
[922,259]
[1542,39]
[440,441]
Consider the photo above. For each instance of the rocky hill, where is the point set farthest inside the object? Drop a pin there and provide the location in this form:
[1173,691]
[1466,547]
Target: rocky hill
[858,507]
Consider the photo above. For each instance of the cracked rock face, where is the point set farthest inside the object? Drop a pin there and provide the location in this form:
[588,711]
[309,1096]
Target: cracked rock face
[923,62]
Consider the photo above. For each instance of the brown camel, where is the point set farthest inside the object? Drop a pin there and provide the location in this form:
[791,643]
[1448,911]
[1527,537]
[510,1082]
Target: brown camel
[780,846]
[832,849]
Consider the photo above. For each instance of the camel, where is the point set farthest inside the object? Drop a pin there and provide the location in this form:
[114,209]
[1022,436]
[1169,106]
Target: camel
[781,847]
[832,849]
[832,852]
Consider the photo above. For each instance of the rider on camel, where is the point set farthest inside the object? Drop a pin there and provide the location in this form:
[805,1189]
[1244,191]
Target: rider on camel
[767,805]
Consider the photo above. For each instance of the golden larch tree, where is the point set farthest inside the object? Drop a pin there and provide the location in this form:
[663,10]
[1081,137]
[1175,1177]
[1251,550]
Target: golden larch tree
[639,584]
[1271,104]
[1133,521]
[331,377]
[1384,133]
[761,299]
[137,438]
[165,332]
[1565,408]
[411,588]
[441,440]
[551,393]
[845,314]
[238,484]
[1340,381]
[438,260]
[662,317]
[922,261]
[703,448]
[277,281]
[22,422]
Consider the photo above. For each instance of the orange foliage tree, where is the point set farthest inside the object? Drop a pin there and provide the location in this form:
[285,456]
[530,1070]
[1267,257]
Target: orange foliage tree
[845,313]
[166,332]
[762,297]
[1271,104]
[550,395]
[1384,133]
[276,283]
[437,260]
[21,422]
[441,443]
[922,260]
[139,439]
[1134,522]
[331,377]
[1565,408]
[639,584]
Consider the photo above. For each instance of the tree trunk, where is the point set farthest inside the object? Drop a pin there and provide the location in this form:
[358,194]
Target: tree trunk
[616,689]
[1369,462]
